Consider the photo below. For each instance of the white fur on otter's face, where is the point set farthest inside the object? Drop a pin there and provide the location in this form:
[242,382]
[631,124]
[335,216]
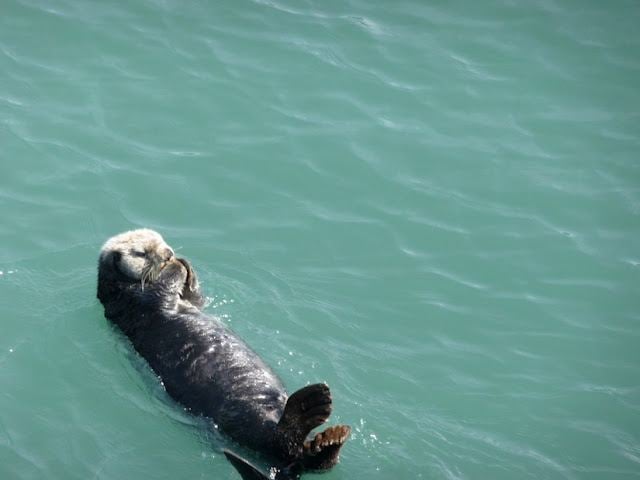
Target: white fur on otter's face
[141,253]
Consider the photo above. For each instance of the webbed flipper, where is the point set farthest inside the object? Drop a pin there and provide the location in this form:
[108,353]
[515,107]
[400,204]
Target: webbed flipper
[323,451]
[305,410]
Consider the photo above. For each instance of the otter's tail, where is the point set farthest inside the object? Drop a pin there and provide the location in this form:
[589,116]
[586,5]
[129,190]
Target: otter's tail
[248,471]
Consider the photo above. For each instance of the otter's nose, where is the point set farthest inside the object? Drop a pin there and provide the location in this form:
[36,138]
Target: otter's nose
[166,254]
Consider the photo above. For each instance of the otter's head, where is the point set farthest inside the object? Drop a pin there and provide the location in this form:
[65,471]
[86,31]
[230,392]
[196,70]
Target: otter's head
[133,260]
[137,256]
[138,267]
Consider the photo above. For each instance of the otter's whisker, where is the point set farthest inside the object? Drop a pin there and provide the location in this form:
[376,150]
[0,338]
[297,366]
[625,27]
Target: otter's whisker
[154,273]
[145,277]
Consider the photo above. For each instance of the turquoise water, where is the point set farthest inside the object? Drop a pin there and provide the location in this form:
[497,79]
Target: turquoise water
[432,206]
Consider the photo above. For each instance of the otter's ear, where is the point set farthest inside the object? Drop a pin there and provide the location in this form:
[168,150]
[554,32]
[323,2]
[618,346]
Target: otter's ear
[108,273]
[109,264]
[115,260]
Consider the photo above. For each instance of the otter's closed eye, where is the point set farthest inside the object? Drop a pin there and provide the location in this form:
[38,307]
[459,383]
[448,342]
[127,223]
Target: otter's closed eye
[138,253]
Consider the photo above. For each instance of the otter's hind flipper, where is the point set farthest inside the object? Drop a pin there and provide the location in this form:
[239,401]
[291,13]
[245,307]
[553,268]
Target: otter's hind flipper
[323,451]
[305,410]
[248,471]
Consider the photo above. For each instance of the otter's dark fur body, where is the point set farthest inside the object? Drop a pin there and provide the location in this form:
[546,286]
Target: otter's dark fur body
[207,368]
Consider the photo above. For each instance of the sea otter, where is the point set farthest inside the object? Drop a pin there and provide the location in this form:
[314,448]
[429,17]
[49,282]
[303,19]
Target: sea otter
[155,299]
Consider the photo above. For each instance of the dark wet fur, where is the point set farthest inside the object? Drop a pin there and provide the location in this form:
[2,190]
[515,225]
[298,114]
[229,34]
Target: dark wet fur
[212,372]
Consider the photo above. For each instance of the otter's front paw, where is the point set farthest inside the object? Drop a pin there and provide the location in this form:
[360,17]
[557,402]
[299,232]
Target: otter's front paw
[191,287]
[191,282]
[174,273]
